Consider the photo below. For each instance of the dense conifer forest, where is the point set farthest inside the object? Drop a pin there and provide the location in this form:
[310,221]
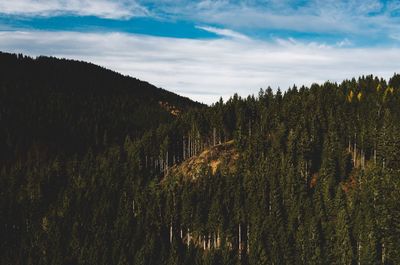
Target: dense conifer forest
[100,168]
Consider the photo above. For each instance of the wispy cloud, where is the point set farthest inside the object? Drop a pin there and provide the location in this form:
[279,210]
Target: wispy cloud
[114,9]
[225,32]
[343,43]
[359,19]
[395,36]
[361,22]
[223,66]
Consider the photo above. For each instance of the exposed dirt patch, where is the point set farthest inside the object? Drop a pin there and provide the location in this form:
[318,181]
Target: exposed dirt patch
[222,157]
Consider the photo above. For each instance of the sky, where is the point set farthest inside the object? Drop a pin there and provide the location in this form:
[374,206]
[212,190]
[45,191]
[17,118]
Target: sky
[211,49]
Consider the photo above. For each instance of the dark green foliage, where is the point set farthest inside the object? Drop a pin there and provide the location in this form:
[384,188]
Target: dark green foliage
[86,158]
[50,105]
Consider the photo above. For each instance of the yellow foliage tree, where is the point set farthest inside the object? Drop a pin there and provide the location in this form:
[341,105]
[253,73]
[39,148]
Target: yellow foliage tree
[387,91]
[350,96]
[359,96]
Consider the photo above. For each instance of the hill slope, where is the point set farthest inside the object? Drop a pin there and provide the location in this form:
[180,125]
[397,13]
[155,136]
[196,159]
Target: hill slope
[69,105]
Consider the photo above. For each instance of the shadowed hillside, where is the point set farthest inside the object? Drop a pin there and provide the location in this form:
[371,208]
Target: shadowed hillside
[68,106]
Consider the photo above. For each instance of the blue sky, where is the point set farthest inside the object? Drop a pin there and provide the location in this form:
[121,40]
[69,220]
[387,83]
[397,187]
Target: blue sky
[207,49]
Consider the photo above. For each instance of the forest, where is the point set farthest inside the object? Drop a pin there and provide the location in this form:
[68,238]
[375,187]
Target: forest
[100,168]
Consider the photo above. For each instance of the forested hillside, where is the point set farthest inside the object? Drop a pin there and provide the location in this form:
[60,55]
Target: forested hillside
[65,106]
[305,176]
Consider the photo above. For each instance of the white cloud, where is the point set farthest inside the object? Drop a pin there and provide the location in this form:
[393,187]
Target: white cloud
[395,36]
[207,69]
[115,9]
[224,32]
[344,42]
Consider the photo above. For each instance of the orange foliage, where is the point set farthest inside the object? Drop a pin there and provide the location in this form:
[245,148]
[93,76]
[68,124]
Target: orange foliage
[314,180]
[350,184]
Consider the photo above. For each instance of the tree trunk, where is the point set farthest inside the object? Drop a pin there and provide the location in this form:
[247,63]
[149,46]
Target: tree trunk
[183,149]
[355,154]
[218,240]
[383,253]
[240,241]
[214,136]
[170,233]
[359,252]
[188,237]
[166,162]
[362,159]
[248,238]
[189,146]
